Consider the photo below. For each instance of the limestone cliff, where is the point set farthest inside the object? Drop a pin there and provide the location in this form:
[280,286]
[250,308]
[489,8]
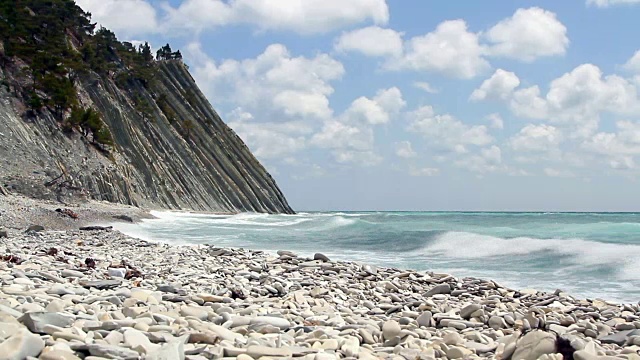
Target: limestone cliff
[152,163]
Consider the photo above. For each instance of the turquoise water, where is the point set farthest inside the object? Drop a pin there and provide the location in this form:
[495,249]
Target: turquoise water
[587,254]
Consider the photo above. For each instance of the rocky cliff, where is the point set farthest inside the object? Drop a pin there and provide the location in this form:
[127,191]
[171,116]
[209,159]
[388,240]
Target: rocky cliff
[167,148]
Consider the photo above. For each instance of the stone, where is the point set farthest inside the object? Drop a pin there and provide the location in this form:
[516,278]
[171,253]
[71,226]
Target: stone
[534,344]
[9,329]
[466,311]
[619,338]
[66,273]
[257,351]
[453,338]
[58,355]
[138,341]
[126,218]
[194,311]
[35,228]
[425,319]
[439,289]
[456,352]
[36,321]
[101,284]
[281,323]
[321,257]
[497,323]
[21,345]
[390,329]
[3,233]
[117,272]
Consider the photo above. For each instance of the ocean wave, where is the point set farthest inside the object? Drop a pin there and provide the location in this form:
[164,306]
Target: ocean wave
[465,245]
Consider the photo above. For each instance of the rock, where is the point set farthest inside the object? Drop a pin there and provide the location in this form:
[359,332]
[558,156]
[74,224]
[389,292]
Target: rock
[66,273]
[9,329]
[466,311]
[534,344]
[425,319]
[3,233]
[497,323]
[35,228]
[36,321]
[21,345]
[257,351]
[58,355]
[138,341]
[390,329]
[123,218]
[439,289]
[321,257]
[452,338]
[95,228]
[101,284]
[117,272]
[456,352]
[110,351]
[281,323]
[619,338]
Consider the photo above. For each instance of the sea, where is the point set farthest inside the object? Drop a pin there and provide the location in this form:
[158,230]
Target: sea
[589,255]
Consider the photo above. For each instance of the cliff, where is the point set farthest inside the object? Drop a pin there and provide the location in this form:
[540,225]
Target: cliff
[156,143]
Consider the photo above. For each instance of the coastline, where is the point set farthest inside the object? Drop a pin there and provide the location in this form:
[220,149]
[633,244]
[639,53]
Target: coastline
[108,295]
[153,300]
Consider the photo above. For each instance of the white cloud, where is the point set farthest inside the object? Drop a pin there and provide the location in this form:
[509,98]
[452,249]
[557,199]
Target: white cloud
[488,160]
[274,82]
[536,138]
[305,17]
[495,120]
[633,64]
[427,171]
[624,142]
[450,49]
[423,85]
[558,173]
[125,17]
[377,110]
[405,150]
[269,140]
[371,41]
[527,35]
[499,86]
[607,3]
[447,132]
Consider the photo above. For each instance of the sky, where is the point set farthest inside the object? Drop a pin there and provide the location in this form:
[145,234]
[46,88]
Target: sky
[418,105]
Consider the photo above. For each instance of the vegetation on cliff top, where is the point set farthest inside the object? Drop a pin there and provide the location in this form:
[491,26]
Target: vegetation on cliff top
[53,42]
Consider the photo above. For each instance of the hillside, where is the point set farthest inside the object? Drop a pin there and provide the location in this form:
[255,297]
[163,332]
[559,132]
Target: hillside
[85,116]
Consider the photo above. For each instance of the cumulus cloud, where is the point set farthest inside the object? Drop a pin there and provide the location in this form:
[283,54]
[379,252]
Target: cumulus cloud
[423,85]
[607,3]
[499,86]
[527,35]
[536,138]
[495,121]
[447,132]
[451,49]
[126,18]
[377,110]
[633,64]
[371,41]
[305,17]
[274,81]
[404,149]
[487,160]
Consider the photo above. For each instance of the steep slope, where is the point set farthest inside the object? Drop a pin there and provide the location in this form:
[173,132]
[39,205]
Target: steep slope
[165,146]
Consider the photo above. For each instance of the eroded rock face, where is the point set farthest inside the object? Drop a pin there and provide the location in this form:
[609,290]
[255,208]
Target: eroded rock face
[154,163]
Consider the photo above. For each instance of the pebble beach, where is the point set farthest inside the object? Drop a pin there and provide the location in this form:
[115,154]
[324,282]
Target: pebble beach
[99,294]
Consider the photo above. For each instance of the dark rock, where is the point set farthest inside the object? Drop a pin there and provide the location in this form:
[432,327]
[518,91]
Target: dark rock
[101,284]
[619,338]
[321,257]
[35,228]
[96,228]
[124,218]
[439,289]
[3,233]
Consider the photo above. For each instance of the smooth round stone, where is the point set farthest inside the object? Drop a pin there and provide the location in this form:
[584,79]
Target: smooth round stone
[21,345]
[453,338]
[456,352]
[390,329]
[468,310]
[425,319]
[497,323]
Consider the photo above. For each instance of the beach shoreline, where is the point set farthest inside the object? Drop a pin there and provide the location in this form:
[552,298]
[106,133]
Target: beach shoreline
[66,293]
[154,300]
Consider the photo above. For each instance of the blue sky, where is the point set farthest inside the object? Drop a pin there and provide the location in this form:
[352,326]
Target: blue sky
[418,105]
